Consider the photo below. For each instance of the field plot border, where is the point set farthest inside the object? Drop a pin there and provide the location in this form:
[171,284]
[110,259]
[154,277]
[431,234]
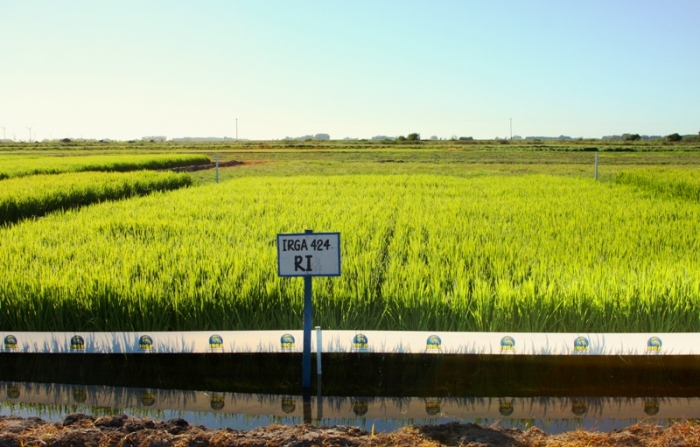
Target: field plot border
[388,342]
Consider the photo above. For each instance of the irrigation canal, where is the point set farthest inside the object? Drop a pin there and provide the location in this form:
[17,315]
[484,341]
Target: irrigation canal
[384,391]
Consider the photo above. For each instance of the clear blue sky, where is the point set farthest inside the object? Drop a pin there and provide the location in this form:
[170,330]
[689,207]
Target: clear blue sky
[127,69]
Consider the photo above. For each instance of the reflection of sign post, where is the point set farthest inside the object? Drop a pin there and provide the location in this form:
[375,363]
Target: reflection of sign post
[308,254]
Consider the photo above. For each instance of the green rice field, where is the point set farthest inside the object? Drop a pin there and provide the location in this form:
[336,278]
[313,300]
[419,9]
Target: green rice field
[666,182]
[483,249]
[25,164]
[36,195]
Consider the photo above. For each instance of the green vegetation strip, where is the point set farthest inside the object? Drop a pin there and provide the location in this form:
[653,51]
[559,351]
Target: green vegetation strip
[425,252]
[19,166]
[25,197]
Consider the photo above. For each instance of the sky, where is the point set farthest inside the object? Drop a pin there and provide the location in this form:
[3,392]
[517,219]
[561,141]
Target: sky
[128,69]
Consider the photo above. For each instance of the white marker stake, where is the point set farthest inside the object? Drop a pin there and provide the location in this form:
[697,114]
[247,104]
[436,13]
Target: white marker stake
[319,349]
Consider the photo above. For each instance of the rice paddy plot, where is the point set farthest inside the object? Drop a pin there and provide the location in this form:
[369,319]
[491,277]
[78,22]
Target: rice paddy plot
[425,252]
[23,165]
[36,195]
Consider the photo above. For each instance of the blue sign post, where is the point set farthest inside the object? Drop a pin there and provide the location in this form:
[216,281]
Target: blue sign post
[306,358]
[308,254]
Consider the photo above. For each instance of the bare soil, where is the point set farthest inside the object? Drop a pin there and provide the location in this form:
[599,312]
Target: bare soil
[84,430]
[202,167]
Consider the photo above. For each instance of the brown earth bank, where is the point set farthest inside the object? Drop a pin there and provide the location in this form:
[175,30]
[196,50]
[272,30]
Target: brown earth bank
[84,430]
[192,168]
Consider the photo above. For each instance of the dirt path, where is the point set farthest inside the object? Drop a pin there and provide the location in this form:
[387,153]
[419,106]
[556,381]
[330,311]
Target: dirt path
[84,430]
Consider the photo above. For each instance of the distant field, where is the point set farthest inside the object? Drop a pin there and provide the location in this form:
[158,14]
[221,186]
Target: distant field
[460,161]
[578,145]
[454,158]
[491,252]
[37,195]
[13,165]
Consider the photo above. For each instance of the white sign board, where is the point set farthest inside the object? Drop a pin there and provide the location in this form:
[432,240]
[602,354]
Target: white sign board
[308,254]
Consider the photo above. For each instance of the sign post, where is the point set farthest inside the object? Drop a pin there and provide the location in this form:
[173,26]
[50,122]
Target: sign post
[308,254]
[306,358]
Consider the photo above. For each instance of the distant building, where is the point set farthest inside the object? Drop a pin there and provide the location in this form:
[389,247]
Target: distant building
[203,139]
[560,137]
[318,137]
[159,139]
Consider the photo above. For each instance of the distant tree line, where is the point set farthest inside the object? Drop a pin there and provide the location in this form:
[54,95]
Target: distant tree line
[674,137]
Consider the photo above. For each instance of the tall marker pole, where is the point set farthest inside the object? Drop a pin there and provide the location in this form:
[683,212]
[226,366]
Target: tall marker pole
[306,360]
[596,165]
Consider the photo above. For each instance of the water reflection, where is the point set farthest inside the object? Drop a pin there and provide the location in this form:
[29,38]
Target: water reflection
[243,410]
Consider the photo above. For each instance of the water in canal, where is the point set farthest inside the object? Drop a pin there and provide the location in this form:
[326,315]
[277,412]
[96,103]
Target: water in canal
[384,392]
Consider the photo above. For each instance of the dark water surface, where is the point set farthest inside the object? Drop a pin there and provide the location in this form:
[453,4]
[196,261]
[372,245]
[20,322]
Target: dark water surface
[377,391]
